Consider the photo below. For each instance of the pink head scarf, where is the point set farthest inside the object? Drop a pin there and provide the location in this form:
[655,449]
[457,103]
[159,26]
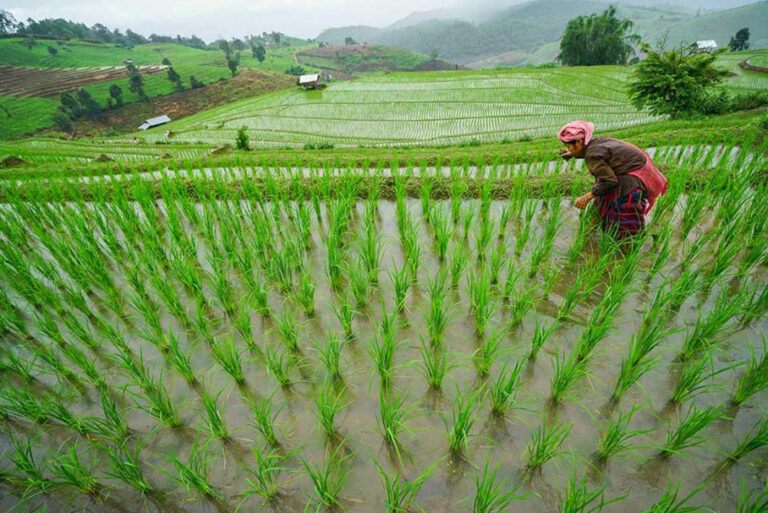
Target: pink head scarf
[576,130]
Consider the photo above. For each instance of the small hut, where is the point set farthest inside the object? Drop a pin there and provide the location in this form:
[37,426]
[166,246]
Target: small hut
[152,122]
[705,46]
[309,81]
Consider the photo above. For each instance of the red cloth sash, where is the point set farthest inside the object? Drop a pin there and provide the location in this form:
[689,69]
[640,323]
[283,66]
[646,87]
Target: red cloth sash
[654,181]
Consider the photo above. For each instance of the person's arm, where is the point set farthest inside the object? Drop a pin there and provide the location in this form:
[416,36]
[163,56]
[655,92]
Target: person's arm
[606,179]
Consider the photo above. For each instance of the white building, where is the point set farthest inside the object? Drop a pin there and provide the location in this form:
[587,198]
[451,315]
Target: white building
[159,120]
[706,45]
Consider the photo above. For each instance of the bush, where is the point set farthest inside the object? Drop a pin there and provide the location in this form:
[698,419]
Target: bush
[750,100]
[295,70]
[242,139]
[714,102]
[764,122]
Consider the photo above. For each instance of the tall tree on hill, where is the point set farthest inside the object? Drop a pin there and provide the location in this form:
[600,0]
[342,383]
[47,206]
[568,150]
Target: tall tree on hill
[740,41]
[259,52]
[175,78]
[226,48]
[233,63]
[673,82]
[136,81]
[597,39]
[91,107]
[69,105]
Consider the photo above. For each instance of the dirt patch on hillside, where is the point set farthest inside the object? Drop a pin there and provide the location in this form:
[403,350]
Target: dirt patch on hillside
[178,105]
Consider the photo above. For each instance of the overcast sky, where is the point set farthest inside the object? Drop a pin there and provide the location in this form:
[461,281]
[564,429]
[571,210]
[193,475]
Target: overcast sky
[211,19]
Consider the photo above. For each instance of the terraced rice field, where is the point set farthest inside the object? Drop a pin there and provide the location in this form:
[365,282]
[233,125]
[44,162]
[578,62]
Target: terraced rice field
[340,340]
[49,83]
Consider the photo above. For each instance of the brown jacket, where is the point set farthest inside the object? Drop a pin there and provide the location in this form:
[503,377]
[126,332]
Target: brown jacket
[609,161]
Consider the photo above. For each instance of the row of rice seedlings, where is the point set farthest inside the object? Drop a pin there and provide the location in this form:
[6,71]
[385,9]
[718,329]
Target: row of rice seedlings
[126,466]
[31,478]
[265,480]
[687,433]
[226,353]
[544,245]
[711,326]
[522,236]
[160,405]
[400,493]
[541,334]
[214,419]
[696,378]
[754,379]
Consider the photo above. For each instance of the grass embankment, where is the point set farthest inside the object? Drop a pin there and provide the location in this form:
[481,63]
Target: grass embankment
[739,129]
[30,114]
[362,58]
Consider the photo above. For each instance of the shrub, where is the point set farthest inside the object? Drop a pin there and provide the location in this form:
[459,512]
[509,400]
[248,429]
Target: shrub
[242,139]
[764,122]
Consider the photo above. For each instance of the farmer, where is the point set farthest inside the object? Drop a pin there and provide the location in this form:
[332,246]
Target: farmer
[626,181]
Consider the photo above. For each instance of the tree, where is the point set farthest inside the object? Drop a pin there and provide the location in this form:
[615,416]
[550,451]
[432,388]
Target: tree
[62,120]
[69,105]
[259,52]
[116,94]
[242,139]
[740,41]
[52,50]
[165,61]
[90,106]
[136,81]
[175,78]
[7,22]
[233,63]
[30,41]
[434,53]
[349,41]
[295,70]
[673,82]
[597,39]
[195,83]
[226,48]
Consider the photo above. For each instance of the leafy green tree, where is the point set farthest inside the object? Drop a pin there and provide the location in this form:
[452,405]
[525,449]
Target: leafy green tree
[69,105]
[259,52]
[52,50]
[136,81]
[7,22]
[233,63]
[242,139]
[597,39]
[673,82]
[116,94]
[295,70]
[91,107]
[166,61]
[740,41]
[62,120]
[349,41]
[225,47]
[175,78]
[195,83]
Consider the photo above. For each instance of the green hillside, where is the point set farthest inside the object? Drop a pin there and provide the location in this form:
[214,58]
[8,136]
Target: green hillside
[25,115]
[722,25]
[359,58]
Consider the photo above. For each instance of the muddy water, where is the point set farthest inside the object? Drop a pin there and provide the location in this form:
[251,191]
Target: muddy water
[642,475]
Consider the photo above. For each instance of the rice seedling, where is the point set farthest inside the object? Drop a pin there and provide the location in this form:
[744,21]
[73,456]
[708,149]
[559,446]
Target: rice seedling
[484,237]
[400,284]
[485,356]
[330,355]
[443,231]
[195,474]
[226,354]
[180,360]
[545,443]
[69,470]
[214,420]
[434,364]
[401,493]
[328,404]
[112,425]
[669,503]
[20,402]
[393,415]
[756,438]
[578,498]
[265,478]
[694,208]
[278,365]
[467,218]
[481,299]
[492,496]
[264,417]
[359,284]
[458,187]
[522,303]
[540,336]
[436,317]
[345,314]
[23,458]
[754,379]
[615,435]
[382,352]
[566,372]
[687,433]
[426,197]
[708,328]
[755,305]
[752,502]
[522,237]
[328,479]
[696,378]
[288,329]
[462,419]
[580,239]
[459,261]
[502,391]
[370,250]
[126,466]
[306,294]
[662,249]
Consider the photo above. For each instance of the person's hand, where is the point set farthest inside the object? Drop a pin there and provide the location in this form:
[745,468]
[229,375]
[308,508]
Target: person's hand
[583,201]
[566,155]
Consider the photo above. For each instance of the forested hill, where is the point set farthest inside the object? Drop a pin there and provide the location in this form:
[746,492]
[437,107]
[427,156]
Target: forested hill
[526,33]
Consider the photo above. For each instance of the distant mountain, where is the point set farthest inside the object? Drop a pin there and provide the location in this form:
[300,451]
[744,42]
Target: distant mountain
[524,33]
